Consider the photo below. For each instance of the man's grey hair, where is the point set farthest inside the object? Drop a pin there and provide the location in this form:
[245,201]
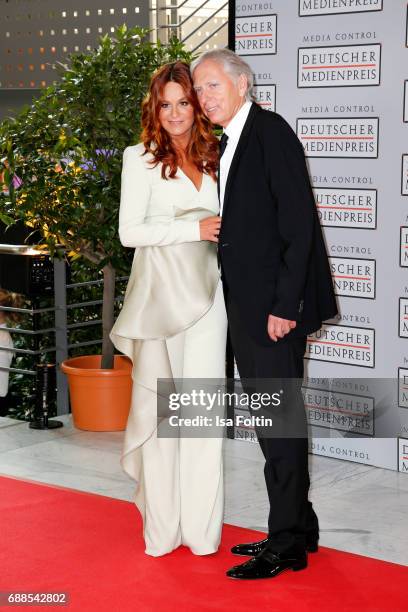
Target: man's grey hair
[232,64]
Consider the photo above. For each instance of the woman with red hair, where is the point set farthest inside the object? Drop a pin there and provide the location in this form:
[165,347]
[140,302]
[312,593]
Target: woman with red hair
[173,323]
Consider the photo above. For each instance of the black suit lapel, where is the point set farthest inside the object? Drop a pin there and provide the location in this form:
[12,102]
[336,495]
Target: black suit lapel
[255,109]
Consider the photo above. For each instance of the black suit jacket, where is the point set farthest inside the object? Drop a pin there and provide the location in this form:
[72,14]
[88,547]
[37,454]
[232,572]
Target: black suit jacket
[271,248]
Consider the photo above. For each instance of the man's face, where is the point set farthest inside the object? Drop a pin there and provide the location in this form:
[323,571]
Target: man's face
[219,96]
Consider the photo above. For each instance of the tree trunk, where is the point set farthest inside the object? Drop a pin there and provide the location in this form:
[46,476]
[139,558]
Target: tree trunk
[109,275]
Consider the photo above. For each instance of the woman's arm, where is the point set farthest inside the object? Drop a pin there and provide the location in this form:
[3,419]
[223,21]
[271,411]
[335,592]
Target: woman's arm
[134,201]
[6,357]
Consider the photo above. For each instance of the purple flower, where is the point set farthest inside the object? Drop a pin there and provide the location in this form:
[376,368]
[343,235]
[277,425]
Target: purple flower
[17,182]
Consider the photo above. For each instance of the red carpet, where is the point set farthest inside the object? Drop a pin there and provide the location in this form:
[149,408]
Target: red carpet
[56,539]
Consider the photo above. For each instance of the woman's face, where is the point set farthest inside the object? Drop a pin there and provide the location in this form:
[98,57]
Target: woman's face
[176,113]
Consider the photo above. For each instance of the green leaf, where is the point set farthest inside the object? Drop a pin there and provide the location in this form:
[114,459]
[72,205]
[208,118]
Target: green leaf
[69,192]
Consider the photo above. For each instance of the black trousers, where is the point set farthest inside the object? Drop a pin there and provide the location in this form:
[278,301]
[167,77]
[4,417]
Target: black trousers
[291,516]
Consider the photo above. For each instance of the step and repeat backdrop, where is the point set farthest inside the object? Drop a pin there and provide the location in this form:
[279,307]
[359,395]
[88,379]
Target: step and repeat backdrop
[337,70]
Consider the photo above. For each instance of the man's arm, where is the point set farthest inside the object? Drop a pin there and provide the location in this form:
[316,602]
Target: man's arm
[289,181]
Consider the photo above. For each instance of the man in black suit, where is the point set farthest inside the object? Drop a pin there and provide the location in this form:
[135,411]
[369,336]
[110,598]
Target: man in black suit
[277,287]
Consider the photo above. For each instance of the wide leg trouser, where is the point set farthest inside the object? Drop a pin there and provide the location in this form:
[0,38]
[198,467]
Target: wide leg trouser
[182,477]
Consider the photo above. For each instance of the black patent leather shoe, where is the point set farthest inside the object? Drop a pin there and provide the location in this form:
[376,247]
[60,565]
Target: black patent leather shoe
[251,549]
[268,567]
[254,548]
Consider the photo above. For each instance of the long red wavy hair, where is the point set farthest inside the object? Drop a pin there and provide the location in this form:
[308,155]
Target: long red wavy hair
[203,146]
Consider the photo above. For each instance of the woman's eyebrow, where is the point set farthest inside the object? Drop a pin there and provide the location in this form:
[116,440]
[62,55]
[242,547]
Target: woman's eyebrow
[179,100]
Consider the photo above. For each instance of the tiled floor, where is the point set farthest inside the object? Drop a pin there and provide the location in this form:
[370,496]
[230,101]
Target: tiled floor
[361,509]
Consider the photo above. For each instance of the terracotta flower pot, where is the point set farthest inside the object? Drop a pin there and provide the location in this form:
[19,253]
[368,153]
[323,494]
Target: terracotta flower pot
[100,399]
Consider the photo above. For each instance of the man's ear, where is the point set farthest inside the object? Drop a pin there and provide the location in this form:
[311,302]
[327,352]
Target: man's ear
[242,84]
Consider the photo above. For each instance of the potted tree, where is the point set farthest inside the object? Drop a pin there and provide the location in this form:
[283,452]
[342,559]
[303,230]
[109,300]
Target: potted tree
[61,166]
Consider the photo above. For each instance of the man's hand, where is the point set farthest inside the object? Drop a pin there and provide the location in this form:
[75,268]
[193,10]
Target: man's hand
[277,327]
[210,228]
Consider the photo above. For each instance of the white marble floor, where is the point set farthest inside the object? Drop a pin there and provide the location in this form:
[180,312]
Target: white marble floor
[361,509]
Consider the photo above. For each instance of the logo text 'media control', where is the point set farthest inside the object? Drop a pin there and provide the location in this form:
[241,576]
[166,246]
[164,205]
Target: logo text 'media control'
[403,318]
[344,66]
[345,207]
[404,247]
[353,277]
[339,136]
[404,175]
[343,344]
[255,35]
[403,455]
[265,94]
[308,8]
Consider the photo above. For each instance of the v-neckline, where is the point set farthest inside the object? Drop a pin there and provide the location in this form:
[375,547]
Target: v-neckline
[192,182]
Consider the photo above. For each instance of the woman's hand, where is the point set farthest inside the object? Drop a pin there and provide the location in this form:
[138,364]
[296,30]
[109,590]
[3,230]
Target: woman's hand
[210,228]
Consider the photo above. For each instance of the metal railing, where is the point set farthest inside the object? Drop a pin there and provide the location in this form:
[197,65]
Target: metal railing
[187,19]
[61,329]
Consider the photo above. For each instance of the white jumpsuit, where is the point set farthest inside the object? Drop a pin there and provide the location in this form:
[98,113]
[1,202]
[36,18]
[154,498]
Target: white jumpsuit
[172,325]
